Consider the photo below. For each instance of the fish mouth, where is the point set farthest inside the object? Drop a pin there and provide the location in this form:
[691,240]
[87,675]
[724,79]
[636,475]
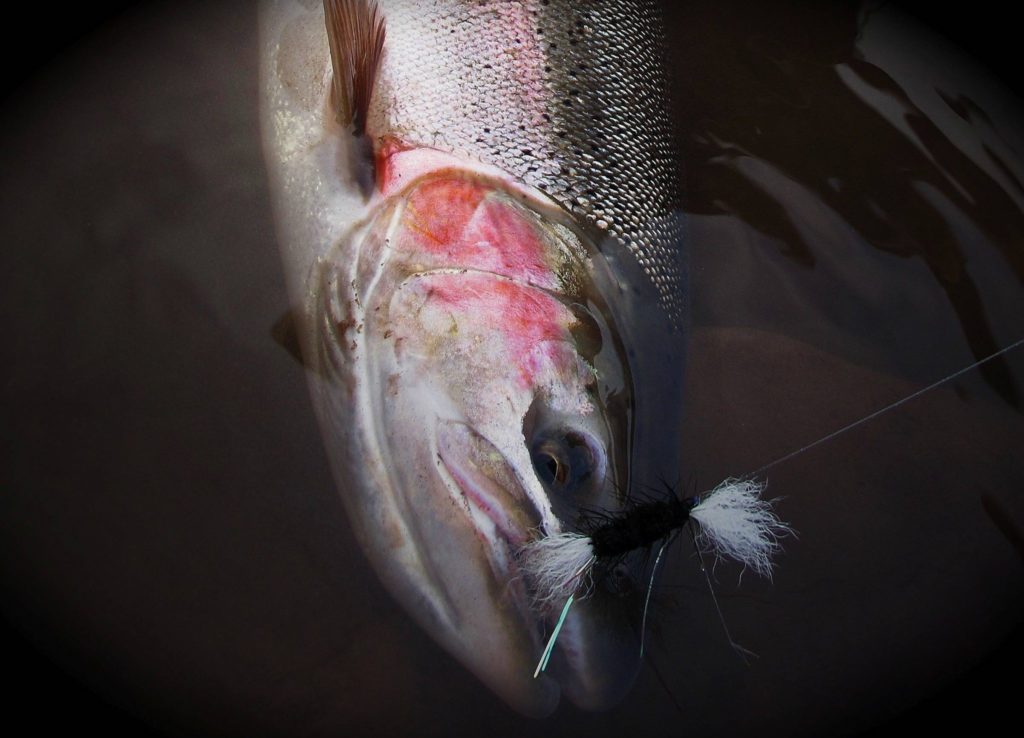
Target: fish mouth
[482,482]
[594,661]
[496,500]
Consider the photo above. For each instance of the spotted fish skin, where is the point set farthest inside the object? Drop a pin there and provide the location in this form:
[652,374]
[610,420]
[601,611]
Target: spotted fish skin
[569,97]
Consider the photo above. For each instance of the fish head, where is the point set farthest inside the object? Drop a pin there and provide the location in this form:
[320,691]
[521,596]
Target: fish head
[481,370]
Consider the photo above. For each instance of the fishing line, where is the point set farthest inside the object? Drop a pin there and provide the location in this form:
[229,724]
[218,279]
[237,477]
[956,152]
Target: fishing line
[885,409]
[650,586]
[740,650]
[731,520]
[743,652]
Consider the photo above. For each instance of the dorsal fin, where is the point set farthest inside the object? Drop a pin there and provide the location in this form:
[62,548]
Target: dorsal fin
[355,30]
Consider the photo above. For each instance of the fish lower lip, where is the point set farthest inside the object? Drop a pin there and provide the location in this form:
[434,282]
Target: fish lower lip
[488,485]
[593,667]
[503,501]
[571,668]
[482,502]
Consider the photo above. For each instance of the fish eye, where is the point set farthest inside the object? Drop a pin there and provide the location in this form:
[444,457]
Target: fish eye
[566,461]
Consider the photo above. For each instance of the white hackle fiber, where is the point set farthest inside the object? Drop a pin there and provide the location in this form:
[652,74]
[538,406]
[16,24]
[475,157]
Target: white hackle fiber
[734,521]
[555,566]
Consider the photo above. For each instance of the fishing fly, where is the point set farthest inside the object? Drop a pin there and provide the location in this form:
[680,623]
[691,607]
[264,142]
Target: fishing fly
[731,521]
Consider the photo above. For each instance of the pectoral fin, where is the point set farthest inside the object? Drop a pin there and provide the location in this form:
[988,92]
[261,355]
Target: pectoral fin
[285,332]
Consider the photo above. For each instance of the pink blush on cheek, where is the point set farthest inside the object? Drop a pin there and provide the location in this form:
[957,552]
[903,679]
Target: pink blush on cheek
[532,326]
[437,213]
[465,223]
[508,243]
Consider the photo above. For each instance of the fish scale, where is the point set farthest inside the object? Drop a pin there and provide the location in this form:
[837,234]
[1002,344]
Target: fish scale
[568,97]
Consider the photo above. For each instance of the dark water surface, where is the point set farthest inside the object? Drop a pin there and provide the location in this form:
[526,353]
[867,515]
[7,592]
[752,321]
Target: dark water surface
[171,538]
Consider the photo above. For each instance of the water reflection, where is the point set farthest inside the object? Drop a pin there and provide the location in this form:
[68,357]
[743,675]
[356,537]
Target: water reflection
[170,530]
[812,107]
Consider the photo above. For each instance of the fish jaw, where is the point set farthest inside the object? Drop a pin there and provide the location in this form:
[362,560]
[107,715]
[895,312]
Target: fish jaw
[316,168]
[442,323]
[429,541]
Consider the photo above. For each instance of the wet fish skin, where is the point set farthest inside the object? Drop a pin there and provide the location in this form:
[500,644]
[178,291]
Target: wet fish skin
[567,97]
[519,126]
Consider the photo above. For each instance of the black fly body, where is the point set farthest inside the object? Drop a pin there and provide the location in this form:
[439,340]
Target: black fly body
[641,525]
[731,521]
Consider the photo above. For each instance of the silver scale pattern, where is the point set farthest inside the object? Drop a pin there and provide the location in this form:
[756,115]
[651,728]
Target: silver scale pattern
[569,97]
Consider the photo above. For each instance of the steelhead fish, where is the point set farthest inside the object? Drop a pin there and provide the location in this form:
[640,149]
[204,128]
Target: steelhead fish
[477,205]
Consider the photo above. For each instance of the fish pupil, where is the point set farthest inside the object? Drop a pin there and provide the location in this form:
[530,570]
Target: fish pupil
[558,471]
[564,463]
